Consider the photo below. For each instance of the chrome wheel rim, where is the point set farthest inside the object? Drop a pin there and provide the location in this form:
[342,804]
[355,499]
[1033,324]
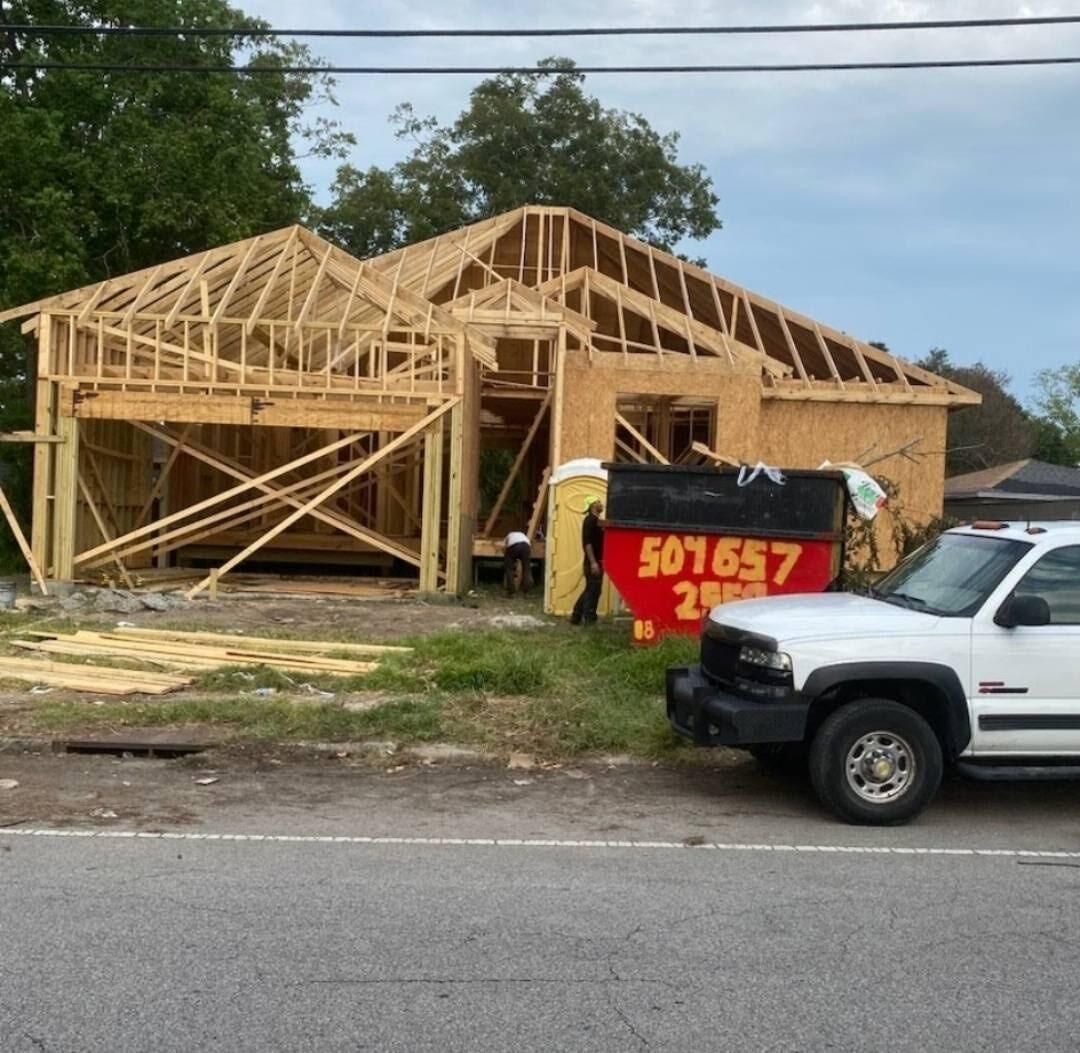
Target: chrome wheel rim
[880,767]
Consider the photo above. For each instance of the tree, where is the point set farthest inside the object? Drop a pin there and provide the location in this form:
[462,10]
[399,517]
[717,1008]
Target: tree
[103,173]
[1058,423]
[996,432]
[524,139]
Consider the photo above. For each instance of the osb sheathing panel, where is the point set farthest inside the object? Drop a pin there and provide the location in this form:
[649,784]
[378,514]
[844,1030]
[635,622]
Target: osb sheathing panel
[738,419]
[588,412]
[591,390]
[804,434]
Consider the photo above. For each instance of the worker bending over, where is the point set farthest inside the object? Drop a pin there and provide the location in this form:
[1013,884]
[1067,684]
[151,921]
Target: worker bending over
[517,550]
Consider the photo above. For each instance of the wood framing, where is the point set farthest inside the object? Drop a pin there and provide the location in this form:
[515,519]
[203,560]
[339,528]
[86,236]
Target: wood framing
[278,396]
[20,540]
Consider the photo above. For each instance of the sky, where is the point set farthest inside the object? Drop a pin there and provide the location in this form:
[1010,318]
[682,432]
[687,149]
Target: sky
[931,208]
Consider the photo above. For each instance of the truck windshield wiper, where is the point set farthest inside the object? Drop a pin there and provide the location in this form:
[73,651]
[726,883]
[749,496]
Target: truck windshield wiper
[905,599]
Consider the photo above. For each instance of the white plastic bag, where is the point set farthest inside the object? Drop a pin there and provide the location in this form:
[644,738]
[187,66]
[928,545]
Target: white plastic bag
[866,496]
[774,475]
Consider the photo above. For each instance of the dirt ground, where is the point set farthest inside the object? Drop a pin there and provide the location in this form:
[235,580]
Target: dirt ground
[249,783]
[372,620]
[374,792]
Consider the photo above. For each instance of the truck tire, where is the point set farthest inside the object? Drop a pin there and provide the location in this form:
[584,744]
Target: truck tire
[875,762]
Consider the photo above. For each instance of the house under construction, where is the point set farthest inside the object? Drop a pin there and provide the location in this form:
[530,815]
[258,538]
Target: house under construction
[278,399]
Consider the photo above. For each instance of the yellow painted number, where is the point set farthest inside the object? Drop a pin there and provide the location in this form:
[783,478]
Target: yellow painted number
[650,558]
[644,630]
[697,545]
[725,562]
[689,609]
[671,557]
[789,553]
[753,560]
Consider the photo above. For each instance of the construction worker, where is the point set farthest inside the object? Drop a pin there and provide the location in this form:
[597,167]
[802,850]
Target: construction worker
[592,545]
[517,550]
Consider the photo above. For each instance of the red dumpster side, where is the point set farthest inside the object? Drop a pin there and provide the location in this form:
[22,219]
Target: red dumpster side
[670,579]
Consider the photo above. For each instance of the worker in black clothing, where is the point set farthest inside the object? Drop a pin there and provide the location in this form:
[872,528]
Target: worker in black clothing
[592,544]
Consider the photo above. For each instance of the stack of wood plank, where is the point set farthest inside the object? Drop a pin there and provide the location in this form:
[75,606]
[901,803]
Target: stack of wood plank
[102,680]
[352,588]
[174,579]
[202,651]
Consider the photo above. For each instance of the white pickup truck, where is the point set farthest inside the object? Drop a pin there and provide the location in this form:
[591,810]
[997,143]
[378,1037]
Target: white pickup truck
[967,654]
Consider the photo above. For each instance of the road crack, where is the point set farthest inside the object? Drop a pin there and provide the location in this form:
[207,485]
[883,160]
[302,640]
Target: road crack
[629,1025]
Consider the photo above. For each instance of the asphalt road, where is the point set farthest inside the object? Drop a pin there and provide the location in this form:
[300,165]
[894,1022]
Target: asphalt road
[191,943]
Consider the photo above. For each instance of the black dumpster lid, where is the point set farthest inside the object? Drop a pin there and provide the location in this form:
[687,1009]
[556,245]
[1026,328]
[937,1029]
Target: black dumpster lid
[811,504]
[705,469]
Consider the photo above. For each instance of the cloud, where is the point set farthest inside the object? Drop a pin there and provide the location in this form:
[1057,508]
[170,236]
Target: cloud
[730,113]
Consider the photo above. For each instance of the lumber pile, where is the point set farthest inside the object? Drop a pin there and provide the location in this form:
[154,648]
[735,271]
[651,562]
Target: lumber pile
[203,651]
[102,680]
[173,649]
[179,578]
[358,589]
[260,642]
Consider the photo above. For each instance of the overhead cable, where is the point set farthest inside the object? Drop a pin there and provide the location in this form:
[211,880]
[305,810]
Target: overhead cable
[568,31]
[269,68]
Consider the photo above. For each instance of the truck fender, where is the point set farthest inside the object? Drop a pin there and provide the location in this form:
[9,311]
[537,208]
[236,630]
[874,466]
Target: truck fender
[954,724]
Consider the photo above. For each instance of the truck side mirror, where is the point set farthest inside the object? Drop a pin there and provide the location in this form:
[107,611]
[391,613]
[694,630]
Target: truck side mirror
[1023,610]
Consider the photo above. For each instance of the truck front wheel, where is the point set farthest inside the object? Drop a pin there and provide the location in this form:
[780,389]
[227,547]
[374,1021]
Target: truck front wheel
[875,762]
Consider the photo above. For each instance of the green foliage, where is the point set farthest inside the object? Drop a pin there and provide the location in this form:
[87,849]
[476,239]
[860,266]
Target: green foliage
[867,556]
[524,140]
[495,465]
[997,432]
[1001,430]
[1058,402]
[107,173]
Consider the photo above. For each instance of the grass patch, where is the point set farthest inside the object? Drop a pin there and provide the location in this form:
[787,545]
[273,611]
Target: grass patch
[414,720]
[12,620]
[498,661]
[244,678]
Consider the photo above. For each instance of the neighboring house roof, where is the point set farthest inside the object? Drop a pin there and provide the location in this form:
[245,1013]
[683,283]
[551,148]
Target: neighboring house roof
[1019,480]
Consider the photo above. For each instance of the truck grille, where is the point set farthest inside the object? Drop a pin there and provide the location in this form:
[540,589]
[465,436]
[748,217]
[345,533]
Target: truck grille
[720,649]
[719,658]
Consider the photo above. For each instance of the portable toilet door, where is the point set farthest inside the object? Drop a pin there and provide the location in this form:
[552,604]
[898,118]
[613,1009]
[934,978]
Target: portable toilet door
[564,578]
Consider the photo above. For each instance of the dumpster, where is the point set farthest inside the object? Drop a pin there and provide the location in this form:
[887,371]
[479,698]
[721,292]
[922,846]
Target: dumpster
[681,540]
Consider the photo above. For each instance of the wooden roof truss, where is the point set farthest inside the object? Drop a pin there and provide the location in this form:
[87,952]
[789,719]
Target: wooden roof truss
[662,304]
[282,313]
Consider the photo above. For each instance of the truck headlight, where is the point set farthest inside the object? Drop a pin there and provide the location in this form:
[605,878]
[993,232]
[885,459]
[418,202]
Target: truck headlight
[777,661]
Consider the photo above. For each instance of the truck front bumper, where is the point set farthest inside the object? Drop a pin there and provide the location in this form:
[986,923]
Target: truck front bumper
[702,712]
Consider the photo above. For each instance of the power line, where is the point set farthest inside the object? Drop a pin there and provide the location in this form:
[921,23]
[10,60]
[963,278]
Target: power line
[541,71]
[584,31]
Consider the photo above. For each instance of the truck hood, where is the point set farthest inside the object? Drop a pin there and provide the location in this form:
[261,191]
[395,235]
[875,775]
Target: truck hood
[820,616]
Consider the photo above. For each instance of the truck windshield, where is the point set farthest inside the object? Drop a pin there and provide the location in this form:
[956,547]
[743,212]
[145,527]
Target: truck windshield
[952,575]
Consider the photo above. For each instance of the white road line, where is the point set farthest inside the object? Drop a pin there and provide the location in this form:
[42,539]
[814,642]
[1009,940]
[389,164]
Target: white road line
[515,842]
